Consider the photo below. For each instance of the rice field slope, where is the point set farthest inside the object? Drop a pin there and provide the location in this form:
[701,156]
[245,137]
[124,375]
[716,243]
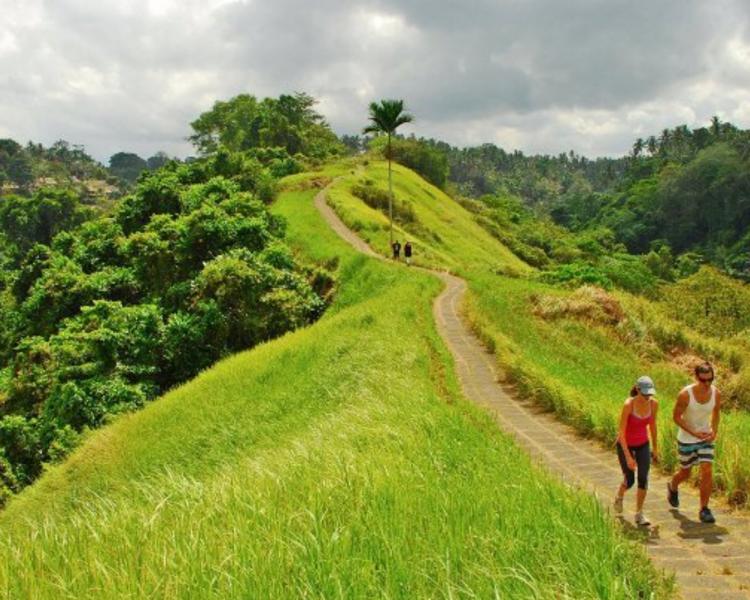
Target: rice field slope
[339,461]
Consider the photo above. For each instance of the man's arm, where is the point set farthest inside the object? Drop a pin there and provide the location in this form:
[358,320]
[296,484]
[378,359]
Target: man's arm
[715,418]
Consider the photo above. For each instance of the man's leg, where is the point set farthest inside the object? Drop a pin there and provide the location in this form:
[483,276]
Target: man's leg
[707,482]
[680,476]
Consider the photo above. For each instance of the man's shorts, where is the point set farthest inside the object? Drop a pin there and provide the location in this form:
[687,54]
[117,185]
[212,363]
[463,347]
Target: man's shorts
[695,453]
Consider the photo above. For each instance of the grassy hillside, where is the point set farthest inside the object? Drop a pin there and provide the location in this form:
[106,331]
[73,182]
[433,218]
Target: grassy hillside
[337,461]
[440,231]
[560,347]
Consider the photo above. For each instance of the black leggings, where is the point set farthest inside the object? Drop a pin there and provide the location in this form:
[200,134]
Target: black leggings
[642,455]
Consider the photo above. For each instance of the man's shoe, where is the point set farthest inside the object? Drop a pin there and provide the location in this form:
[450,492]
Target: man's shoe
[642,520]
[673,496]
[617,505]
[706,516]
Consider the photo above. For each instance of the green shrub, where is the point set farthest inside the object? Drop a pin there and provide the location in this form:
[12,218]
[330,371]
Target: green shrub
[628,272]
[376,198]
[575,275]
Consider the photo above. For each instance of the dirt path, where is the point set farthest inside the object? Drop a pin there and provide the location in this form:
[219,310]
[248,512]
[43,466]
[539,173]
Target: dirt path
[709,561]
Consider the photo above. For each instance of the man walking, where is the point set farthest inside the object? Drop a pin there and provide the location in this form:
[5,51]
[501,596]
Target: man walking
[407,252]
[697,415]
[396,250]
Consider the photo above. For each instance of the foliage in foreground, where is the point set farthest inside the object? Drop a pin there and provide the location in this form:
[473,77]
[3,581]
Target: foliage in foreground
[582,346]
[99,316]
[337,462]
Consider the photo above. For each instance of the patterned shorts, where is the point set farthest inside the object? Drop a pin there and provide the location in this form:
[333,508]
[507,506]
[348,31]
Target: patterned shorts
[695,453]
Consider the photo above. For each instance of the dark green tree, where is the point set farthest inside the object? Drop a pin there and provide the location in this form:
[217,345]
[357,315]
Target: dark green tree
[158,160]
[243,123]
[127,166]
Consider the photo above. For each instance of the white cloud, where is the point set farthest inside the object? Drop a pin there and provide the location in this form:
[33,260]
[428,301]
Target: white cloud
[539,75]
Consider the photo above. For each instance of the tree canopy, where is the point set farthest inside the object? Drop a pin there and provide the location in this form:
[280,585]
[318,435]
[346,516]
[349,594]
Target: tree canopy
[101,313]
[245,123]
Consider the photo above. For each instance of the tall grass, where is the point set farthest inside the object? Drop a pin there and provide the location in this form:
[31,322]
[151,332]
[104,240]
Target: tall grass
[580,368]
[336,462]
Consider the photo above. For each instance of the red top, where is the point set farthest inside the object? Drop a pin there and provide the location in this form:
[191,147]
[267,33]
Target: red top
[636,431]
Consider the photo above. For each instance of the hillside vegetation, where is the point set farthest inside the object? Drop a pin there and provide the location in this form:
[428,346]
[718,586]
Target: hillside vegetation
[337,461]
[26,169]
[103,310]
[682,193]
[576,351]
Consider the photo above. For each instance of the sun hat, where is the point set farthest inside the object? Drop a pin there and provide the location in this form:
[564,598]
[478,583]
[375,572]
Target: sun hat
[645,385]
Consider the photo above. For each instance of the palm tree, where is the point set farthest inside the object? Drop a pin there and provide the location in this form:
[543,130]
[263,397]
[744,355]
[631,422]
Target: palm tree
[716,126]
[638,147]
[666,137]
[386,117]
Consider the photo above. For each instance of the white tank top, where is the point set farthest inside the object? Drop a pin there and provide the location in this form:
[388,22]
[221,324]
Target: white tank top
[697,416]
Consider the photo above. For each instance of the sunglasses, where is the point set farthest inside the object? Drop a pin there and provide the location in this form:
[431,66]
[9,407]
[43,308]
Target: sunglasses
[706,380]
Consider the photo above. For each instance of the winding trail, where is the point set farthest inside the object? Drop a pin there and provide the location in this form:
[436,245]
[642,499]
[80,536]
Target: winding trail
[709,561]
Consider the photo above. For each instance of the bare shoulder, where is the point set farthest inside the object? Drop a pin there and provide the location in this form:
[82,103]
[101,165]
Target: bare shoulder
[682,401]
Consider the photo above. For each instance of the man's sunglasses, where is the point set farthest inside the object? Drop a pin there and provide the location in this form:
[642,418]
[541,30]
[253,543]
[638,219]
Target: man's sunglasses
[706,380]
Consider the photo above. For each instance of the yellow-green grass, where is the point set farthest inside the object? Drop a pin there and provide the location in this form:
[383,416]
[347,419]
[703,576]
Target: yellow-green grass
[443,238]
[584,372]
[337,461]
[581,370]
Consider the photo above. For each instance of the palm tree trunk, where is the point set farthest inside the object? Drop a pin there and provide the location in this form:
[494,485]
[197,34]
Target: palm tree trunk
[390,192]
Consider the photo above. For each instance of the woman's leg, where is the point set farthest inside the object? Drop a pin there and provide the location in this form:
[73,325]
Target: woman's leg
[643,458]
[627,472]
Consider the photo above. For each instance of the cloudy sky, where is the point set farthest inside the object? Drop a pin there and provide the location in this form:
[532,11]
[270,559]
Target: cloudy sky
[537,75]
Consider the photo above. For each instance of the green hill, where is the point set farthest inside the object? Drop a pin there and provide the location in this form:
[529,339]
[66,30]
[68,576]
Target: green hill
[337,461]
[553,342]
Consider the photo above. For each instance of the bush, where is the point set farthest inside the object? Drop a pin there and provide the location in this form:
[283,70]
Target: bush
[709,301]
[575,275]
[589,302]
[629,273]
[378,199]
[20,447]
[428,161]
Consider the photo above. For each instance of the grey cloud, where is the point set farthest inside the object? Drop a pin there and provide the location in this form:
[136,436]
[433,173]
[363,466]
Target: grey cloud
[117,76]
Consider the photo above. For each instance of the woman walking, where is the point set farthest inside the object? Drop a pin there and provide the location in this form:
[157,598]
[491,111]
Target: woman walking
[637,424]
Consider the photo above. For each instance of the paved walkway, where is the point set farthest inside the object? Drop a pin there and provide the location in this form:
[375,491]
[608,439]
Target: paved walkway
[709,561]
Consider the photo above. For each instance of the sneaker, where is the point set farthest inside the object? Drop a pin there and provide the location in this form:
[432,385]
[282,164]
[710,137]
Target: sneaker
[706,516]
[617,504]
[673,496]
[642,520]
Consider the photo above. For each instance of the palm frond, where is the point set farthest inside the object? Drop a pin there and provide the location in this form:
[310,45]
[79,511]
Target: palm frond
[386,116]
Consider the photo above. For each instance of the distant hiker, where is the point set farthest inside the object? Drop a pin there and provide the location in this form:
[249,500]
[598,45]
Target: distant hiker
[637,424]
[407,252]
[396,249]
[697,416]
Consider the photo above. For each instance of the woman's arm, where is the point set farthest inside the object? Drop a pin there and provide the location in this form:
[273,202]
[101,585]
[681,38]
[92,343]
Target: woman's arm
[622,435]
[653,430]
